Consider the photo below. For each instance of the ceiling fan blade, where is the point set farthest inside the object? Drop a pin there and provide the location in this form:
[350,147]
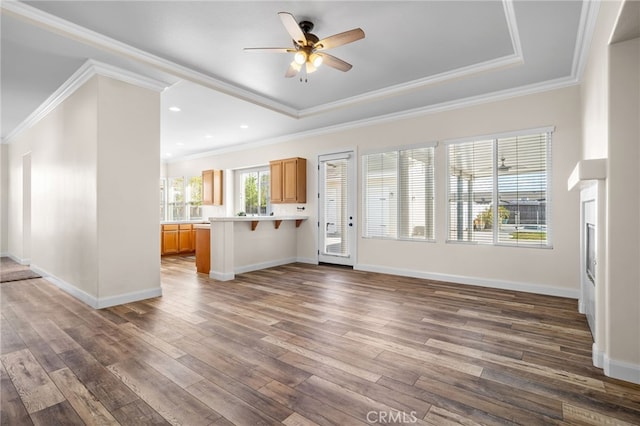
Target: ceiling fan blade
[334,62]
[269,49]
[294,68]
[339,39]
[292,27]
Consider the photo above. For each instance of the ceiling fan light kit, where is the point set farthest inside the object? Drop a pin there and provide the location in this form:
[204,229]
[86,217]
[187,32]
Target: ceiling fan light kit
[309,49]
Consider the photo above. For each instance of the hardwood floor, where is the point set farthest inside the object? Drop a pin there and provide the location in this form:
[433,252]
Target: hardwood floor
[302,345]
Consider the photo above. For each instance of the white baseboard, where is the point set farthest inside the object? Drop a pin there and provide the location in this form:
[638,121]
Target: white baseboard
[481,282]
[220,276]
[228,276]
[17,259]
[95,302]
[134,296]
[264,265]
[621,370]
[581,307]
[597,356]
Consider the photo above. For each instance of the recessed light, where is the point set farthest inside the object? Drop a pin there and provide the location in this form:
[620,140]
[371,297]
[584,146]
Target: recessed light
[208,136]
[174,109]
[244,126]
[180,144]
[168,154]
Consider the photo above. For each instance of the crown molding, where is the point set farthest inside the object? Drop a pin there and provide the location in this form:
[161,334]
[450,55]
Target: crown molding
[530,89]
[421,83]
[84,35]
[586,28]
[87,70]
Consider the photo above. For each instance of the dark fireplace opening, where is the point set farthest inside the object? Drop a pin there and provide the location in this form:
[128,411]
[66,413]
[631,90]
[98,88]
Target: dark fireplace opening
[590,252]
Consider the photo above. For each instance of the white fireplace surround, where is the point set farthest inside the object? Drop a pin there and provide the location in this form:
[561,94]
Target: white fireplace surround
[589,177]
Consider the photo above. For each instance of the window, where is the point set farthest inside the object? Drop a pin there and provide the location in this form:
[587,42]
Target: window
[253,190]
[399,194]
[510,173]
[193,198]
[181,198]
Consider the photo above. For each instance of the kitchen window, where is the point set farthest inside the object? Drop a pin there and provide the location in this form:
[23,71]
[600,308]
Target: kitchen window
[181,198]
[252,187]
[499,189]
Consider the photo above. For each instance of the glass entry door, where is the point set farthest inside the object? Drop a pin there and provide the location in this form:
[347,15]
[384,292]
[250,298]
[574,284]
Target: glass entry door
[336,216]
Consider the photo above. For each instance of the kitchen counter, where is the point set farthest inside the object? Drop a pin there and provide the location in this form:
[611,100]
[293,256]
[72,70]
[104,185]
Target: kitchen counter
[180,222]
[255,220]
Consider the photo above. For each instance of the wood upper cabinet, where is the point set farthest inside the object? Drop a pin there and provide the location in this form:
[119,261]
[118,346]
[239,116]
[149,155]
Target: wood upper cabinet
[212,184]
[289,180]
[275,178]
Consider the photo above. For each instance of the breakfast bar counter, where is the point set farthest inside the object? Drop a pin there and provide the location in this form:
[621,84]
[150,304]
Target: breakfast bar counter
[247,243]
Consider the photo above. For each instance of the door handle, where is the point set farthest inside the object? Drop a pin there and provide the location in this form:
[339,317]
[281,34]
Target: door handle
[326,228]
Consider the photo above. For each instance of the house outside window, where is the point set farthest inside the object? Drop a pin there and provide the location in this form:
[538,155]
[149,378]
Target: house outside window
[498,190]
[399,194]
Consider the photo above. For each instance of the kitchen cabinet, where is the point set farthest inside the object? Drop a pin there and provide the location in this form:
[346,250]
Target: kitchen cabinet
[212,184]
[203,250]
[169,238]
[186,244]
[288,180]
[177,238]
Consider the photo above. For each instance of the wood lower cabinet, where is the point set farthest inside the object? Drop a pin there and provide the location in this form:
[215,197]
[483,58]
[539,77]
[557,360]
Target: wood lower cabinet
[289,180]
[177,238]
[203,250]
[185,238]
[170,240]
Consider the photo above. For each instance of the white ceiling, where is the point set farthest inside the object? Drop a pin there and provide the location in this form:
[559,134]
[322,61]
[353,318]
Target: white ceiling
[417,56]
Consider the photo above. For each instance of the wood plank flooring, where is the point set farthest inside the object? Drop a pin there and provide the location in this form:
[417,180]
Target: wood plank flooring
[303,345]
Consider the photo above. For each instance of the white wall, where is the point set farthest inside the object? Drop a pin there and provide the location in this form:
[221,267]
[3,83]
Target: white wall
[95,162]
[610,109]
[544,270]
[63,162]
[594,90]
[623,210]
[4,198]
[128,169]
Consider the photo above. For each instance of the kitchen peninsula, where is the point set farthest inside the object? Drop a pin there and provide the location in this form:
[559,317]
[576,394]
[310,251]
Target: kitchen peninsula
[247,243]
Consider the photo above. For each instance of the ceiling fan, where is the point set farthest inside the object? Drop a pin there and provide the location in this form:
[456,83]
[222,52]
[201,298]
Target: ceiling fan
[309,50]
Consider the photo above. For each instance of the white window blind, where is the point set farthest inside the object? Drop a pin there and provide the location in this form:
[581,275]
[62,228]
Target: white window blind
[416,193]
[471,191]
[511,173]
[523,173]
[381,194]
[399,194]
